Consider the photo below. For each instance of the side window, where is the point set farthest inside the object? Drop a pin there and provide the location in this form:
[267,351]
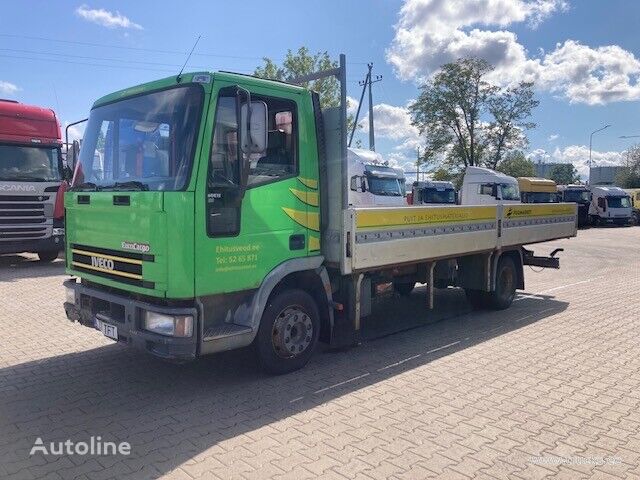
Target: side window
[485,189]
[601,202]
[281,158]
[223,213]
[224,147]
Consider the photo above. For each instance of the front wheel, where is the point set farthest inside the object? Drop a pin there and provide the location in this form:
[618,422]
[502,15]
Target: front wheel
[288,332]
[505,291]
[635,219]
[48,256]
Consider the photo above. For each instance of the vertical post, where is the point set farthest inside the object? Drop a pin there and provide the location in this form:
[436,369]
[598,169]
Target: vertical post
[372,142]
[343,128]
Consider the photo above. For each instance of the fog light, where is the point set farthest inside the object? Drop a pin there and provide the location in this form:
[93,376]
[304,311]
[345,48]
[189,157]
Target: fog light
[171,325]
[70,295]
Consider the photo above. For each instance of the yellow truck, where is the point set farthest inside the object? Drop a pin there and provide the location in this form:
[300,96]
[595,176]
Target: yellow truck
[538,190]
[634,193]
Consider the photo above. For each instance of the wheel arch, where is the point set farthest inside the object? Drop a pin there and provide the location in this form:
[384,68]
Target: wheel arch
[307,274]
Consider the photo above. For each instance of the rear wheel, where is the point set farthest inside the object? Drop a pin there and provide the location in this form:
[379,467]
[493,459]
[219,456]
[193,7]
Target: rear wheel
[404,288]
[288,332]
[48,256]
[506,280]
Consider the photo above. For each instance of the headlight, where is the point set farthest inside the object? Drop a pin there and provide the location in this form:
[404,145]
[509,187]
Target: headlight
[58,231]
[70,295]
[171,325]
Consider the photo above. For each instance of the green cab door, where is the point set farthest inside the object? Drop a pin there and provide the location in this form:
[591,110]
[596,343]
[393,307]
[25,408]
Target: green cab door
[241,238]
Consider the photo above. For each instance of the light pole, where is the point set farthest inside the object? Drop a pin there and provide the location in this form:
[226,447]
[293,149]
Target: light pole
[591,143]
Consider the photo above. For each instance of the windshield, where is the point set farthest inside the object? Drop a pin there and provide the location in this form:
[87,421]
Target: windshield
[541,197]
[618,202]
[390,186]
[145,142]
[433,195]
[27,163]
[510,191]
[578,196]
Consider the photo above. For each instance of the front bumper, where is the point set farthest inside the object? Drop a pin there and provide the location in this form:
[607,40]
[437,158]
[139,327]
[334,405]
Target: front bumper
[618,220]
[49,244]
[127,314]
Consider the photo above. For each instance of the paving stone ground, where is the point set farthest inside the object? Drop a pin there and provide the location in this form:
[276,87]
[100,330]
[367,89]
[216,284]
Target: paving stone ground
[548,388]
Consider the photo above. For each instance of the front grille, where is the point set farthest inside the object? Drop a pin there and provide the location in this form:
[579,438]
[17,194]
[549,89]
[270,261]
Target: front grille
[23,217]
[124,267]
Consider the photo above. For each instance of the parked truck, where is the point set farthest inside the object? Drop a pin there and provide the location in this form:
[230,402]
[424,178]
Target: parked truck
[433,192]
[609,205]
[371,181]
[538,190]
[579,194]
[185,245]
[483,186]
[31,181]
[634,195]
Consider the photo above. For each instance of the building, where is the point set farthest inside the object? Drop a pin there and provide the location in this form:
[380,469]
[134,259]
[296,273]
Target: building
[604,175]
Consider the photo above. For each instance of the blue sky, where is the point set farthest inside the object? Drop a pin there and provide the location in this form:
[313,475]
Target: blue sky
[581,53]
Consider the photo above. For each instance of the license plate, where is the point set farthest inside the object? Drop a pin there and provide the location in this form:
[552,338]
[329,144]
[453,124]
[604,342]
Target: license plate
[107,330]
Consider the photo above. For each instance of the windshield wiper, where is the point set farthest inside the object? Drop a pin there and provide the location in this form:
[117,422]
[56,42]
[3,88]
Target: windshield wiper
[85,186]
[130,185]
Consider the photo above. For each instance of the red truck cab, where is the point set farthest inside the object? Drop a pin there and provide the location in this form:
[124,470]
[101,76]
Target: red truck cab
[31,181]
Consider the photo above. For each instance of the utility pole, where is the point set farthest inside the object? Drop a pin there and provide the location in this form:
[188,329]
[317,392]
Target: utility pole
[370,80]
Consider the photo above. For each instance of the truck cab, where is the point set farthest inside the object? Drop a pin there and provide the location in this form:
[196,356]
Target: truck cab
[372,181]
[483,186]
[609,205]
[31,181]
[537,190]
[634,194]
[433,192]
[579,194]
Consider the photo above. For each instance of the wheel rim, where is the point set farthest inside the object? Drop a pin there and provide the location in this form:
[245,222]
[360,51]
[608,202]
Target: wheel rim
[506,283]
[292,332]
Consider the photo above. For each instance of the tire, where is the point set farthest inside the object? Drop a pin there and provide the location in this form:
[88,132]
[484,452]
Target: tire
[283,343]
[48,256]
[477,298]
[635,219]
[506,279]
[404,288]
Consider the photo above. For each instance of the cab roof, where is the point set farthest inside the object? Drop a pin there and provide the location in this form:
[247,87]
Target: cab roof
[28,123]
[204,78]
[534,184]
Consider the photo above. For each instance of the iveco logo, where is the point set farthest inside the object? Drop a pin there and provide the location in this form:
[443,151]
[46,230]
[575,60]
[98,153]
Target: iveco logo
[17,188]
[104,263]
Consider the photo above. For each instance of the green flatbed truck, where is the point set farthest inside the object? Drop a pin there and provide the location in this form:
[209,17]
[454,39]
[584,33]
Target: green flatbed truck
[210,212]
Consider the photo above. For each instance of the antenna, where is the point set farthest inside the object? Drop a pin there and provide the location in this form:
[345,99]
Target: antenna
[187,60]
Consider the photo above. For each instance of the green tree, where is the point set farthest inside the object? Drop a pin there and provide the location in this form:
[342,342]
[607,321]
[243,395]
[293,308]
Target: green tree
[515,164]
[449,109]
[301,63]
[467,119]
[564,174]
[510,109]
[630,176]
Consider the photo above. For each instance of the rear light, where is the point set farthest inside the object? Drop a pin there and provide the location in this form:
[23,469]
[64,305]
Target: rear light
[58,209]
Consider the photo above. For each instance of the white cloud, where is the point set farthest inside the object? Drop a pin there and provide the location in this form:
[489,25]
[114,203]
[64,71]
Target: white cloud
[391,122]
[430,33]
[106,18]
[8,88]
[352,105]
[553,137]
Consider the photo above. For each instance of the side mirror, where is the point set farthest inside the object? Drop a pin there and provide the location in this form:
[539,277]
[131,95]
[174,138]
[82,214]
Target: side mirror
[494,190]
[254,130]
